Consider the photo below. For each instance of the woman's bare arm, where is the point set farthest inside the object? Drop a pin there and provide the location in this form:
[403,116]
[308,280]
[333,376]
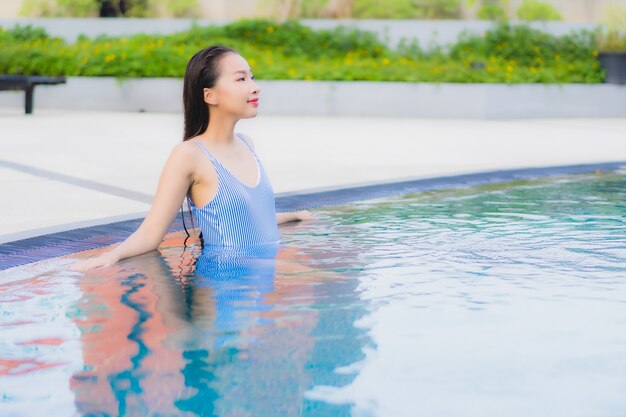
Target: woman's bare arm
[174,182]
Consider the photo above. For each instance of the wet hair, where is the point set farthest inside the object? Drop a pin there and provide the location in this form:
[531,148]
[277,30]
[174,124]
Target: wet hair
[202,72]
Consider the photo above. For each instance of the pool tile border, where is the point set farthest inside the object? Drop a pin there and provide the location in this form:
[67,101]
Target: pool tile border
[34,249]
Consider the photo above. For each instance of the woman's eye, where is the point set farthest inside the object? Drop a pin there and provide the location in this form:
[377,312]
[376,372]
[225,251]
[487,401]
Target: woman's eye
[241,79]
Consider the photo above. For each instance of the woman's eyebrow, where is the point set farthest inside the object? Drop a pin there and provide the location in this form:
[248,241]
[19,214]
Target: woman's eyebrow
[242,71]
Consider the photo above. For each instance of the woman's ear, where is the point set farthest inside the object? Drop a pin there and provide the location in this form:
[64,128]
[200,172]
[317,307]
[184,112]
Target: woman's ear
[209,96]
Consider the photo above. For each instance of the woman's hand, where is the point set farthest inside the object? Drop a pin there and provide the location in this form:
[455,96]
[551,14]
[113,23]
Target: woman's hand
[293,216]
[101,261]
[304,215]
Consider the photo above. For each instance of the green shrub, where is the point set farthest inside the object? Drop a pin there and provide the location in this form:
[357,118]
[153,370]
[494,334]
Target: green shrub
[537,10]
[612,42]
[288,50]
[292,38]
[406,9]
[525,45]
[59,8]
[312,8]
[91,8]
[26,33]
[491,9]
[612,36]
[538,55]
[440,9]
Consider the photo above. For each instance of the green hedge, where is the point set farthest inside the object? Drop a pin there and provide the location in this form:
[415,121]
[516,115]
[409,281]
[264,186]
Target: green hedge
[289,50]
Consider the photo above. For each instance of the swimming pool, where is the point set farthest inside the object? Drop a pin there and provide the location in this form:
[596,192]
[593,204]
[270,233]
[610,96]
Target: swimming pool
[490,300]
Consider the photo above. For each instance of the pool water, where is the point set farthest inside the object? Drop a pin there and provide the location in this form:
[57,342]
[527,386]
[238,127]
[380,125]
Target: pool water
[495,300]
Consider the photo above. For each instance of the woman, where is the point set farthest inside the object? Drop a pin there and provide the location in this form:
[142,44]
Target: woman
[214,168]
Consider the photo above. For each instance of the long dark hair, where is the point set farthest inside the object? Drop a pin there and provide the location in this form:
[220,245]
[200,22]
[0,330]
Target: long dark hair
[201,72]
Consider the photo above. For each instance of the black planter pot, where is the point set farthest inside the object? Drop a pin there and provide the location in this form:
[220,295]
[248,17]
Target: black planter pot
[614,64]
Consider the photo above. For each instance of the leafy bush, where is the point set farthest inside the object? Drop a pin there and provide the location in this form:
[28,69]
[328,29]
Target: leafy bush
[537,10]
[91,8]
[491,9]
[292,38]
[532,52]
[612,42]
[506,54]
[26,33]
[406,9]
[59,8]
[612,37]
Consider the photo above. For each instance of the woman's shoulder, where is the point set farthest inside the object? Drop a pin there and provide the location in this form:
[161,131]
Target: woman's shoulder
[186,148]
[184,153]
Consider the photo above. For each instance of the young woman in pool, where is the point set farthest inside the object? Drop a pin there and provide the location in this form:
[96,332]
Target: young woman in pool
[216,169]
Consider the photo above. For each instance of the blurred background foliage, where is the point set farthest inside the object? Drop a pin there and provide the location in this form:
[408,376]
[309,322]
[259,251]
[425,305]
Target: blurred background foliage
[110,8]
[612,35]
[289,50]
[283,9]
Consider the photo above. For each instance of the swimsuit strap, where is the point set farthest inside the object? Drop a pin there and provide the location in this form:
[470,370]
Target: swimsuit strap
[245,140]
[205,150]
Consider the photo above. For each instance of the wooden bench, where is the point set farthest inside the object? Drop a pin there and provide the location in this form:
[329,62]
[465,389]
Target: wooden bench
[28,83]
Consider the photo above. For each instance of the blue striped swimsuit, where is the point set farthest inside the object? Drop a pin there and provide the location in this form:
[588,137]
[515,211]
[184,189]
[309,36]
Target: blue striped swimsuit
[238,215]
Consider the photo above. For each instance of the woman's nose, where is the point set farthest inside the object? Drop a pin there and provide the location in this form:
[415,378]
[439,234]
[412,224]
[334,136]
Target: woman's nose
[256,89]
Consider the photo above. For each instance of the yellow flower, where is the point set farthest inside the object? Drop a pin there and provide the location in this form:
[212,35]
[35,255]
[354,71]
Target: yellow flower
[595,53]
[291,72]
[509,68]
[270,29]
[308,77]
[558,57]
[386,61]
[109,58]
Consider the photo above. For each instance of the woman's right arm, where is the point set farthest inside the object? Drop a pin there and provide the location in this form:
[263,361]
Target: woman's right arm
[174,182]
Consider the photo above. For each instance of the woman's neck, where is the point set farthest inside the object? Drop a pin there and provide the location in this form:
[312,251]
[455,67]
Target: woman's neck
[220,132]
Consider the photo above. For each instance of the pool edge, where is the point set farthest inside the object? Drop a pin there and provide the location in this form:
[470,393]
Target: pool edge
[74,240]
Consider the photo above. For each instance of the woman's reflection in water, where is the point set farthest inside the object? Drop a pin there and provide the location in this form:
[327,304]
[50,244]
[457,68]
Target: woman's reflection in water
[247,353]
[219,333]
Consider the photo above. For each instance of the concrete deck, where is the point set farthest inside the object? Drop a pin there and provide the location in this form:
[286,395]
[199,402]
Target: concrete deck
[64,169]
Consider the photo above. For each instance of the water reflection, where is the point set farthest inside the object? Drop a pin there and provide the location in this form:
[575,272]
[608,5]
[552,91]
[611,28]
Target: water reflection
[497,296]
[221,332]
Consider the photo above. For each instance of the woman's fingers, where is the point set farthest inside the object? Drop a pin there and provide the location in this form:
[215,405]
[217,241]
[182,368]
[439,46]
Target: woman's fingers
[91,263]
[305,215]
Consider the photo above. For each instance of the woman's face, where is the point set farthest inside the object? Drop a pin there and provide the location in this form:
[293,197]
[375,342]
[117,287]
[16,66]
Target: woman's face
[235,90]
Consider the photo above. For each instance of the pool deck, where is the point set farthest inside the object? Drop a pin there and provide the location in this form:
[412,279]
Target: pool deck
[62,169]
